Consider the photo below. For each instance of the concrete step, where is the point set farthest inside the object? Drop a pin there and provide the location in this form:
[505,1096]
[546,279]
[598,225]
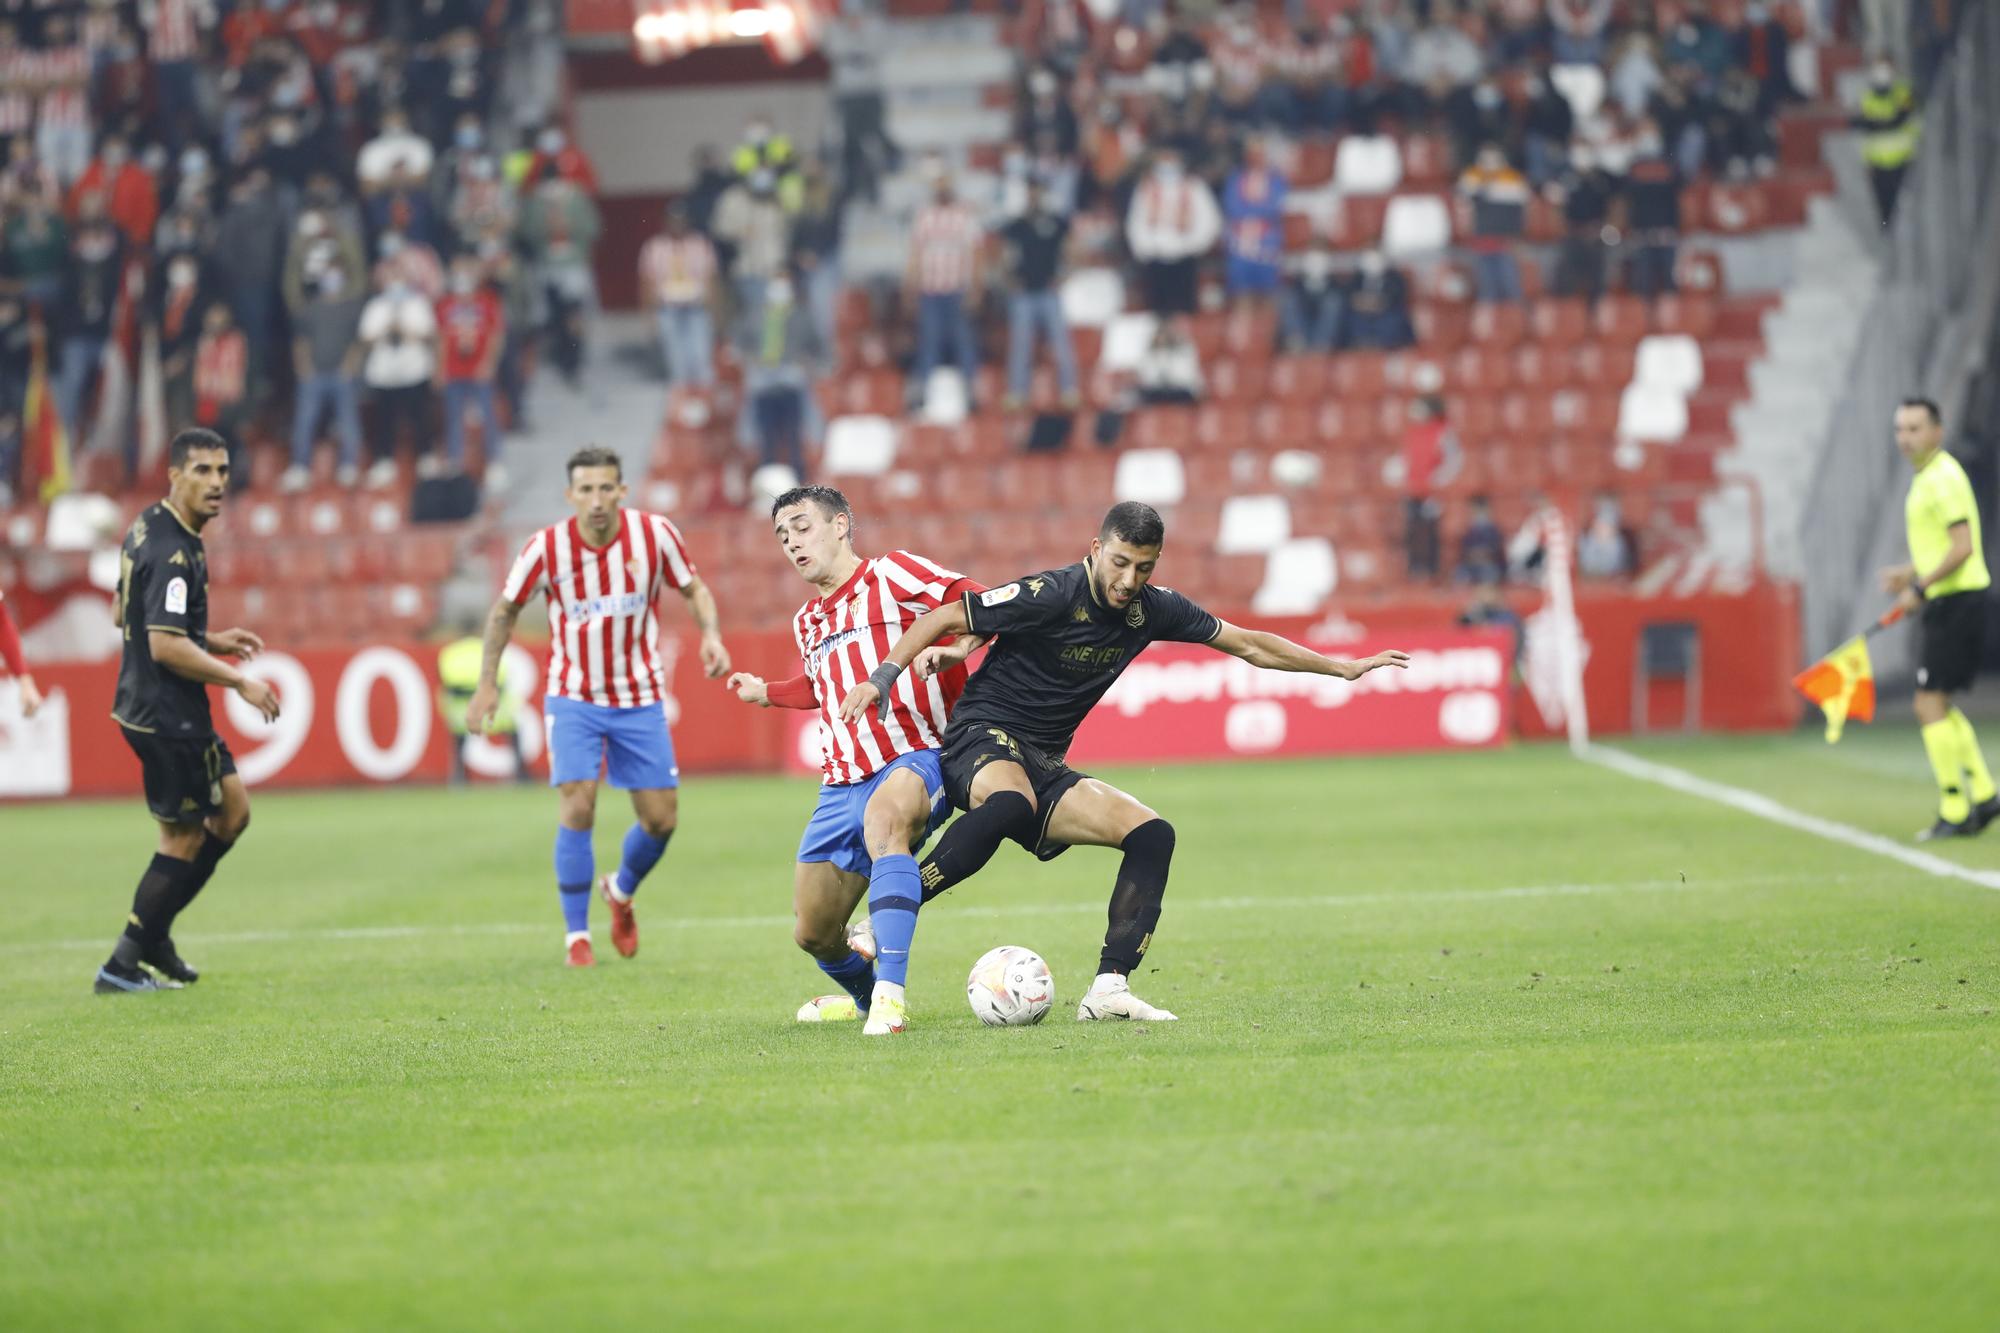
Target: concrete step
[920,129]
[944,65]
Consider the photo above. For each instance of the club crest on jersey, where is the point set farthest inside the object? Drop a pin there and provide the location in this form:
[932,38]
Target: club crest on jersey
[1135,614]
[633,567]
[1000,596]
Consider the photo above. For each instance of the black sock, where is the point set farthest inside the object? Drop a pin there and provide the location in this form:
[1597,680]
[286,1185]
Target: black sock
[153,907]
[213,849]
[971,841]
[1135,901]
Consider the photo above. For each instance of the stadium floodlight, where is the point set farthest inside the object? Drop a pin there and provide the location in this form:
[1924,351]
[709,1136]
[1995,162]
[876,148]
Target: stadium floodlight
[750,23]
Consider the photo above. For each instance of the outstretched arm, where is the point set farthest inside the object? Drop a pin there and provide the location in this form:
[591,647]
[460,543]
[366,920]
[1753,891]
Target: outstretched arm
[486,696]
[927,630]
[1276,653]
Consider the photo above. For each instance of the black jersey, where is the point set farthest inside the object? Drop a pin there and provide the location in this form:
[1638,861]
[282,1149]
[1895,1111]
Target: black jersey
[162,585]
[1059,650]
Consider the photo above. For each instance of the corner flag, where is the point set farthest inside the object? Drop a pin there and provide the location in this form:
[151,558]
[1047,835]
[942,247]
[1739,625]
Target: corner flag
[1843,684]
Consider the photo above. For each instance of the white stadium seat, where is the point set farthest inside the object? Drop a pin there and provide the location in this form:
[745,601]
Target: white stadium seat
[1295,469]
[946,399]
[1254,525]
[1126,339]
[1416,224]
[1150,476]
[1669,361]
[1649,412]
[1298,577]
[1367,164]
[769,482]
[1093,297]
[860,446]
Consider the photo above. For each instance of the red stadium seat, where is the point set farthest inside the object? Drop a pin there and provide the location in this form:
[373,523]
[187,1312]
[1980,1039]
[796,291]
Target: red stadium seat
[1473,413]
[1426,160]
[1733,208]
[1477,369]
[1223,425]
[1314,164]
[1359,374]
[1357,223]
[1284,425]
[1162,428]
[1559,321]
[1251,334]
[1545,220]
[1619,319]
[1698,271]
[1298,377]
[1539,369]
[1608,365]
[1526,414]
[1440,327]
[1231,380]
[1498,324]
[1692,313]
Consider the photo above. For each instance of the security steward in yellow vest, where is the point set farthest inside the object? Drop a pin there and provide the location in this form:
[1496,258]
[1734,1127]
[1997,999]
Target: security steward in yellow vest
[1947,579]
[1890,127]
[458,677]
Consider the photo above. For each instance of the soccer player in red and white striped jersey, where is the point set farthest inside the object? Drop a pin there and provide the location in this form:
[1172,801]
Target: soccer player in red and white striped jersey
[883,789]
[602,572]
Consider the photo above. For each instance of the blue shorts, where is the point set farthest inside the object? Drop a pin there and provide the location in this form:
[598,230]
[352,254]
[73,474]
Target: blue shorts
[630,745]
[834,831]
[1248,275]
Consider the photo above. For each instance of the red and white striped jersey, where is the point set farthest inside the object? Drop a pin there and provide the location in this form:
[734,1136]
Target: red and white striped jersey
[945,242]
[844,636]
[172,29]
[603,626]
[66,71]
[17,75]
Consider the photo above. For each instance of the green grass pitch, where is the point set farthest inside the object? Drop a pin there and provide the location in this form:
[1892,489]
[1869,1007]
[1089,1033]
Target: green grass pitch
[1467,1042]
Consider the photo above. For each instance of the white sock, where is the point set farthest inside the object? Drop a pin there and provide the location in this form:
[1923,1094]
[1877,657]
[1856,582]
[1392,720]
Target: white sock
[888,990]
[1108,981]
[611,884]
[574,936]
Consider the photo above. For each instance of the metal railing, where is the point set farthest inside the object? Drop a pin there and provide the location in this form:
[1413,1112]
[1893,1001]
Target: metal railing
[1935,299]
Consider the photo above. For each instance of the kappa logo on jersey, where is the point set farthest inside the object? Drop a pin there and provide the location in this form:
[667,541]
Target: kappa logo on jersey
[177,596]
[178,558]
[1000,596]
[1080,614]
[1036,585]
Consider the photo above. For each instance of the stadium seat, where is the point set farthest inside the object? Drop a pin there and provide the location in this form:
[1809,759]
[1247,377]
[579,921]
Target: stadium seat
[1559,320]
[1440,327]
[1603,365]
[1360,374]
[1367,164]
[1619,319]
[1669,361]
[1416,224]
[1093,297]
[1652,412]
[1356,222]
[1313,164]
[1537,369]
[1298,378]
[1150,476]
[1299,576]
[1426,160]
[1296,469]
[860,446]
[1155,428]
[1126,338]
[1692,313]
[1582,86]
[1281,425]
[1498,324]
[1222,425]
[1478,369]
[1254,525]
[1735,207]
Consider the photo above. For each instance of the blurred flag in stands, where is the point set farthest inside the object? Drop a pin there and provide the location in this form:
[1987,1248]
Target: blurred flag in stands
[1843,684]
[794,30]
[665,30]
[47,446]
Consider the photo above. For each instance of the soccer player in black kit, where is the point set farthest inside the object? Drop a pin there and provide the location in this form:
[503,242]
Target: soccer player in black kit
[1063,636]
[170,660]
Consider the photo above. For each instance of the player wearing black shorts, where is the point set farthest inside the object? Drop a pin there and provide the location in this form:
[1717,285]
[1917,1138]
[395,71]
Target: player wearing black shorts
[1947,578]
[161,706]
[1063,637]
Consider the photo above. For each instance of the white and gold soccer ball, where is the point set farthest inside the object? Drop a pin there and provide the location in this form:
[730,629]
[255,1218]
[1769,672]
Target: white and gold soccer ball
[1010,987]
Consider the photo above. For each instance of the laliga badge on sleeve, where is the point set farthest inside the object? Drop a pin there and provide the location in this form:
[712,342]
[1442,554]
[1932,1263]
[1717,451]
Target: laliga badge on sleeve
[998,596]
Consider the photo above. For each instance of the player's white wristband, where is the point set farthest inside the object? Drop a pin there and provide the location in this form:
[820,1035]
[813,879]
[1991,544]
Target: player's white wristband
[883,678]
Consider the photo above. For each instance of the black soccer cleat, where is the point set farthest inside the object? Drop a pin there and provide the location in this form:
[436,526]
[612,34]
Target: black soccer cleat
[1985,813]
[167,961]
[112,979]
[1944,828]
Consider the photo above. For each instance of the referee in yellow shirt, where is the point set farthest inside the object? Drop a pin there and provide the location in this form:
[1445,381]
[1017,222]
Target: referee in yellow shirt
[1947,577]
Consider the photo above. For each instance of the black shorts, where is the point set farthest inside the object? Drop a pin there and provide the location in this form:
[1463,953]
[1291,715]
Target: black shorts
[970,748]
[1172,286]
[1953,636]
[183,777]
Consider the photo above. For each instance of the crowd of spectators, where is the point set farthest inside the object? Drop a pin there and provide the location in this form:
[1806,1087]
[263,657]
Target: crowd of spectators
[206,185]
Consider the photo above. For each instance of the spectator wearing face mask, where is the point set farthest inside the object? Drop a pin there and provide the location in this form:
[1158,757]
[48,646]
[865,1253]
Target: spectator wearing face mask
[1171,223]
[317,245]
[400,257]
[125,187]
[1035,244]
[471,333]
[1584,192]
[943,276]
[1653,212]
[1482,547]
[1253,210]
[1046,111]
[521,314]
[778,377]
[765,149]
[396,158]
[92,281]
[62,123]
[755,225]
[37,250]
[1890,127]
[559,229]
[252,232]
[399,337]
[326,358]
[178,299]
[175,33]
[817,230]
[222,379]
[1498,198]
[467,144]
[1546,127]
[481,202]
[1310,306]
[555,152]
[678,275]
[1606,548]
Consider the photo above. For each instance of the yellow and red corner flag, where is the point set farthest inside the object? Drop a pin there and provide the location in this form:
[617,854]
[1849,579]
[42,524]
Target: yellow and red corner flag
[1843,684]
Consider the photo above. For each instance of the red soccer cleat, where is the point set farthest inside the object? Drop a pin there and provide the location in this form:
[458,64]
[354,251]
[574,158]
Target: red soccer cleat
[580,953]
[624,926]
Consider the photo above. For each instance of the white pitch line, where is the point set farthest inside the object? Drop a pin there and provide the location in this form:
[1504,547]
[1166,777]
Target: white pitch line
[773,922]
[1763,807]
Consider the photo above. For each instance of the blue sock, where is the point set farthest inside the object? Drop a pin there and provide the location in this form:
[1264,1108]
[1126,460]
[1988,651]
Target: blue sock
[856,976]
[642,853]
[894,892]
[575,868]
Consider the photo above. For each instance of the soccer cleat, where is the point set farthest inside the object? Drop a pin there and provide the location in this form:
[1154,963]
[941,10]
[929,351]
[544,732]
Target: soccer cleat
[115,980]
[580,952]
[887,1011]
[167,961]
[861,938]
[1110,997]
[829,1009]
[624,926]
[1945,828]
[1985,813]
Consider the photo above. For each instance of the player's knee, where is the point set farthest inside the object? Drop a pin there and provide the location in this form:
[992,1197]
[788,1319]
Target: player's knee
[820,939]
[659,826]
[1153,839]
[1014,812]
[232,824]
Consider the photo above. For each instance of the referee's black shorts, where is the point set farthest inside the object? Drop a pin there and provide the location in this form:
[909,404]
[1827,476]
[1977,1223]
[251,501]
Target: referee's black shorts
[182,775]
[969,748]
[1953,636]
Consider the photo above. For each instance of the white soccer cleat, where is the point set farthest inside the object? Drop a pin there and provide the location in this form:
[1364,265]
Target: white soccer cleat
[887,1011]
[861,938]
[829,1009]
[1111,997]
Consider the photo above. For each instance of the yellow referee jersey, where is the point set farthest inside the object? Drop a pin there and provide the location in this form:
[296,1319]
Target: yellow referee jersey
[1941,495]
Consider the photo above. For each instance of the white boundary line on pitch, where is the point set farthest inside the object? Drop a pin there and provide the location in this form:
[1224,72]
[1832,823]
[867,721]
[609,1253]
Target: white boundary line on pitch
[1763,807]
[990,911]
